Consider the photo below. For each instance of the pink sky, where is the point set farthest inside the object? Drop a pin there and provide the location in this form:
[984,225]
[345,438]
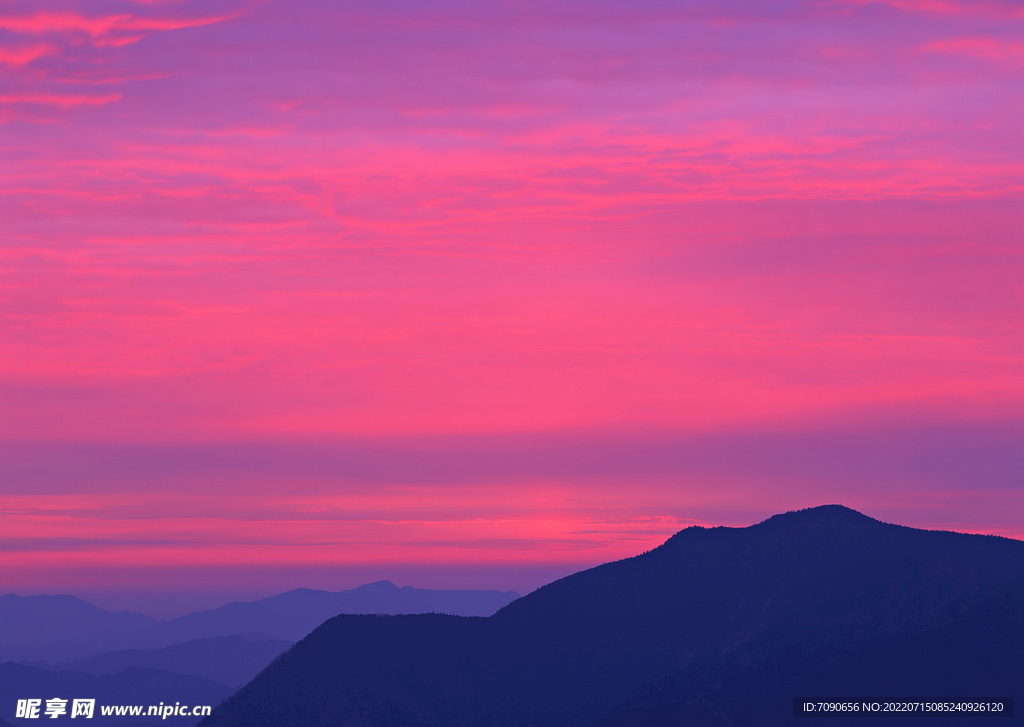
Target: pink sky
[479,293]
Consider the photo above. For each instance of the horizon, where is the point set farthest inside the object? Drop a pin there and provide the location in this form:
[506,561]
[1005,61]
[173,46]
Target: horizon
[219,604]
[457,292]
[158,606]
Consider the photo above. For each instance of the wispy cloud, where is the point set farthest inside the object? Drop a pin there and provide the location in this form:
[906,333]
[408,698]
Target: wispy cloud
[992,49]
[57,99]
[102,30]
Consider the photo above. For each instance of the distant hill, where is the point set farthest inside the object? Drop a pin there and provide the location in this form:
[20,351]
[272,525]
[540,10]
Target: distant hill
[65,628]
[294,614]
[58,628]
[132,686]
[716,627]
[231,660]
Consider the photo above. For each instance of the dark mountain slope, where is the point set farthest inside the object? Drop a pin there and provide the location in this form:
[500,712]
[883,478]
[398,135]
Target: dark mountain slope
[977,654]
[789,596]
[415,669]
[980,655]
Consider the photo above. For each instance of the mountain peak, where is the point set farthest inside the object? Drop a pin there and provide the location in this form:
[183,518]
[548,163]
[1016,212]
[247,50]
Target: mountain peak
[821,517]
[377,586]
[821,514]
[826,520]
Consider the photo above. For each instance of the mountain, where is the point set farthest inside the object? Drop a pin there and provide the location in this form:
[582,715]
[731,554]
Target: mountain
[231,660]
[716,627]
[134,686]
[975,656]
[65,628]
[294,614]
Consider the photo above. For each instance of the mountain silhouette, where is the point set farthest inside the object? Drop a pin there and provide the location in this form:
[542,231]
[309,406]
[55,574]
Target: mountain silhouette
[65,628]
[292,615]
[717,626]
[231,660]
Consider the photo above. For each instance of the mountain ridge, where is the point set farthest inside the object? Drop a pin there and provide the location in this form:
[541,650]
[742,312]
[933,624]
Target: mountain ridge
[63,628]
[231,660]
[800,590]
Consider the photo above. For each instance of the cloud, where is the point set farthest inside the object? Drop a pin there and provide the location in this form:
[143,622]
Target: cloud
[20,55]
[990,49]
[1005,9]
[61,100]
[103,30]
[555,499]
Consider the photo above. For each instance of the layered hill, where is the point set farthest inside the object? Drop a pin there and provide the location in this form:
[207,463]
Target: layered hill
[718,626]
[294,614]
[65,628]
[230,660]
